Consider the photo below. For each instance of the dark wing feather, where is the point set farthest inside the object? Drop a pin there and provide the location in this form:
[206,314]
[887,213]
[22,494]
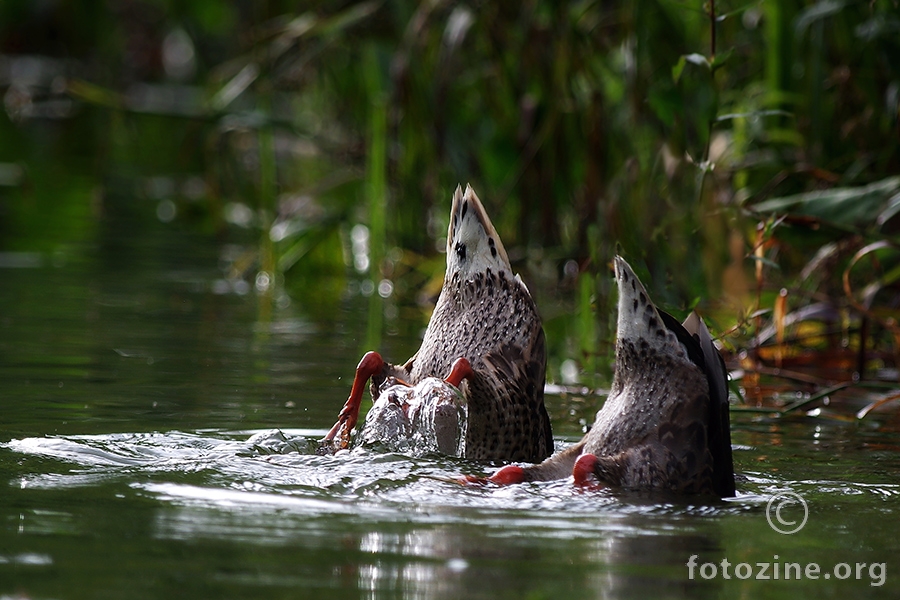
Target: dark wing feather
[703,353]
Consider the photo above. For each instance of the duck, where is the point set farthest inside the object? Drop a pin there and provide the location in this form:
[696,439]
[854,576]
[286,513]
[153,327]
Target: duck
[665,424]
[485,337]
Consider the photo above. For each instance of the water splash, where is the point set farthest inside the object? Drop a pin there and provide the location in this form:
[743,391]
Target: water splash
[427,418]
[279,468]
[252,479]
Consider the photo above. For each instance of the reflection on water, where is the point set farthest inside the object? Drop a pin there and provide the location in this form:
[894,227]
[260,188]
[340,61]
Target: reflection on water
[410,531]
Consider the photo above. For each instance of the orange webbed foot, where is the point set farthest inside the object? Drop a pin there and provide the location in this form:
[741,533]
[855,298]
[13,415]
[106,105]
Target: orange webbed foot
[371,364]
[584,472]
[508,475]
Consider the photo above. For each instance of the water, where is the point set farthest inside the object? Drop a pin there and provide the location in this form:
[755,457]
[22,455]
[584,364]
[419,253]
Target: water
[158,440]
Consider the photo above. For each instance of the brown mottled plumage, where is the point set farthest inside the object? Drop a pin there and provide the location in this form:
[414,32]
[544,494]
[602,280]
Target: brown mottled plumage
[665,423]
[484,314]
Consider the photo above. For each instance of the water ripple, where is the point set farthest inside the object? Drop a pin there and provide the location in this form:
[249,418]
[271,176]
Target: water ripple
[249,483]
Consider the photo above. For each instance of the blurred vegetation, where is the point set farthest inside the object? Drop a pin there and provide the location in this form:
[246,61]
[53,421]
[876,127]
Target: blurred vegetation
[742,155]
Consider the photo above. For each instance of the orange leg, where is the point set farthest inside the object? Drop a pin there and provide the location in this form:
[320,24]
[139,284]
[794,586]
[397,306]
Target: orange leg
[461,369]
[371,364]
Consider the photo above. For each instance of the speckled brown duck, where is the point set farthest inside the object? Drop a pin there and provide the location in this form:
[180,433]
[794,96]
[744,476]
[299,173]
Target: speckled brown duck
[486,330]
[665,424]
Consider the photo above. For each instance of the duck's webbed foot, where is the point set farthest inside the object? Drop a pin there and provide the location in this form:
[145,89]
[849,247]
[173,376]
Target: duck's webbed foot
[508,475]
[584,471]
[557,466]
[598,472]
[370,365]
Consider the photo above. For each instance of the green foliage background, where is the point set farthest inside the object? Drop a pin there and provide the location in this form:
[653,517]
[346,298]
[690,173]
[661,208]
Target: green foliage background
[677,133]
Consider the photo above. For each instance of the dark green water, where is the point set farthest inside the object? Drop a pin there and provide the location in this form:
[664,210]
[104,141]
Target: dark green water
[139,458]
